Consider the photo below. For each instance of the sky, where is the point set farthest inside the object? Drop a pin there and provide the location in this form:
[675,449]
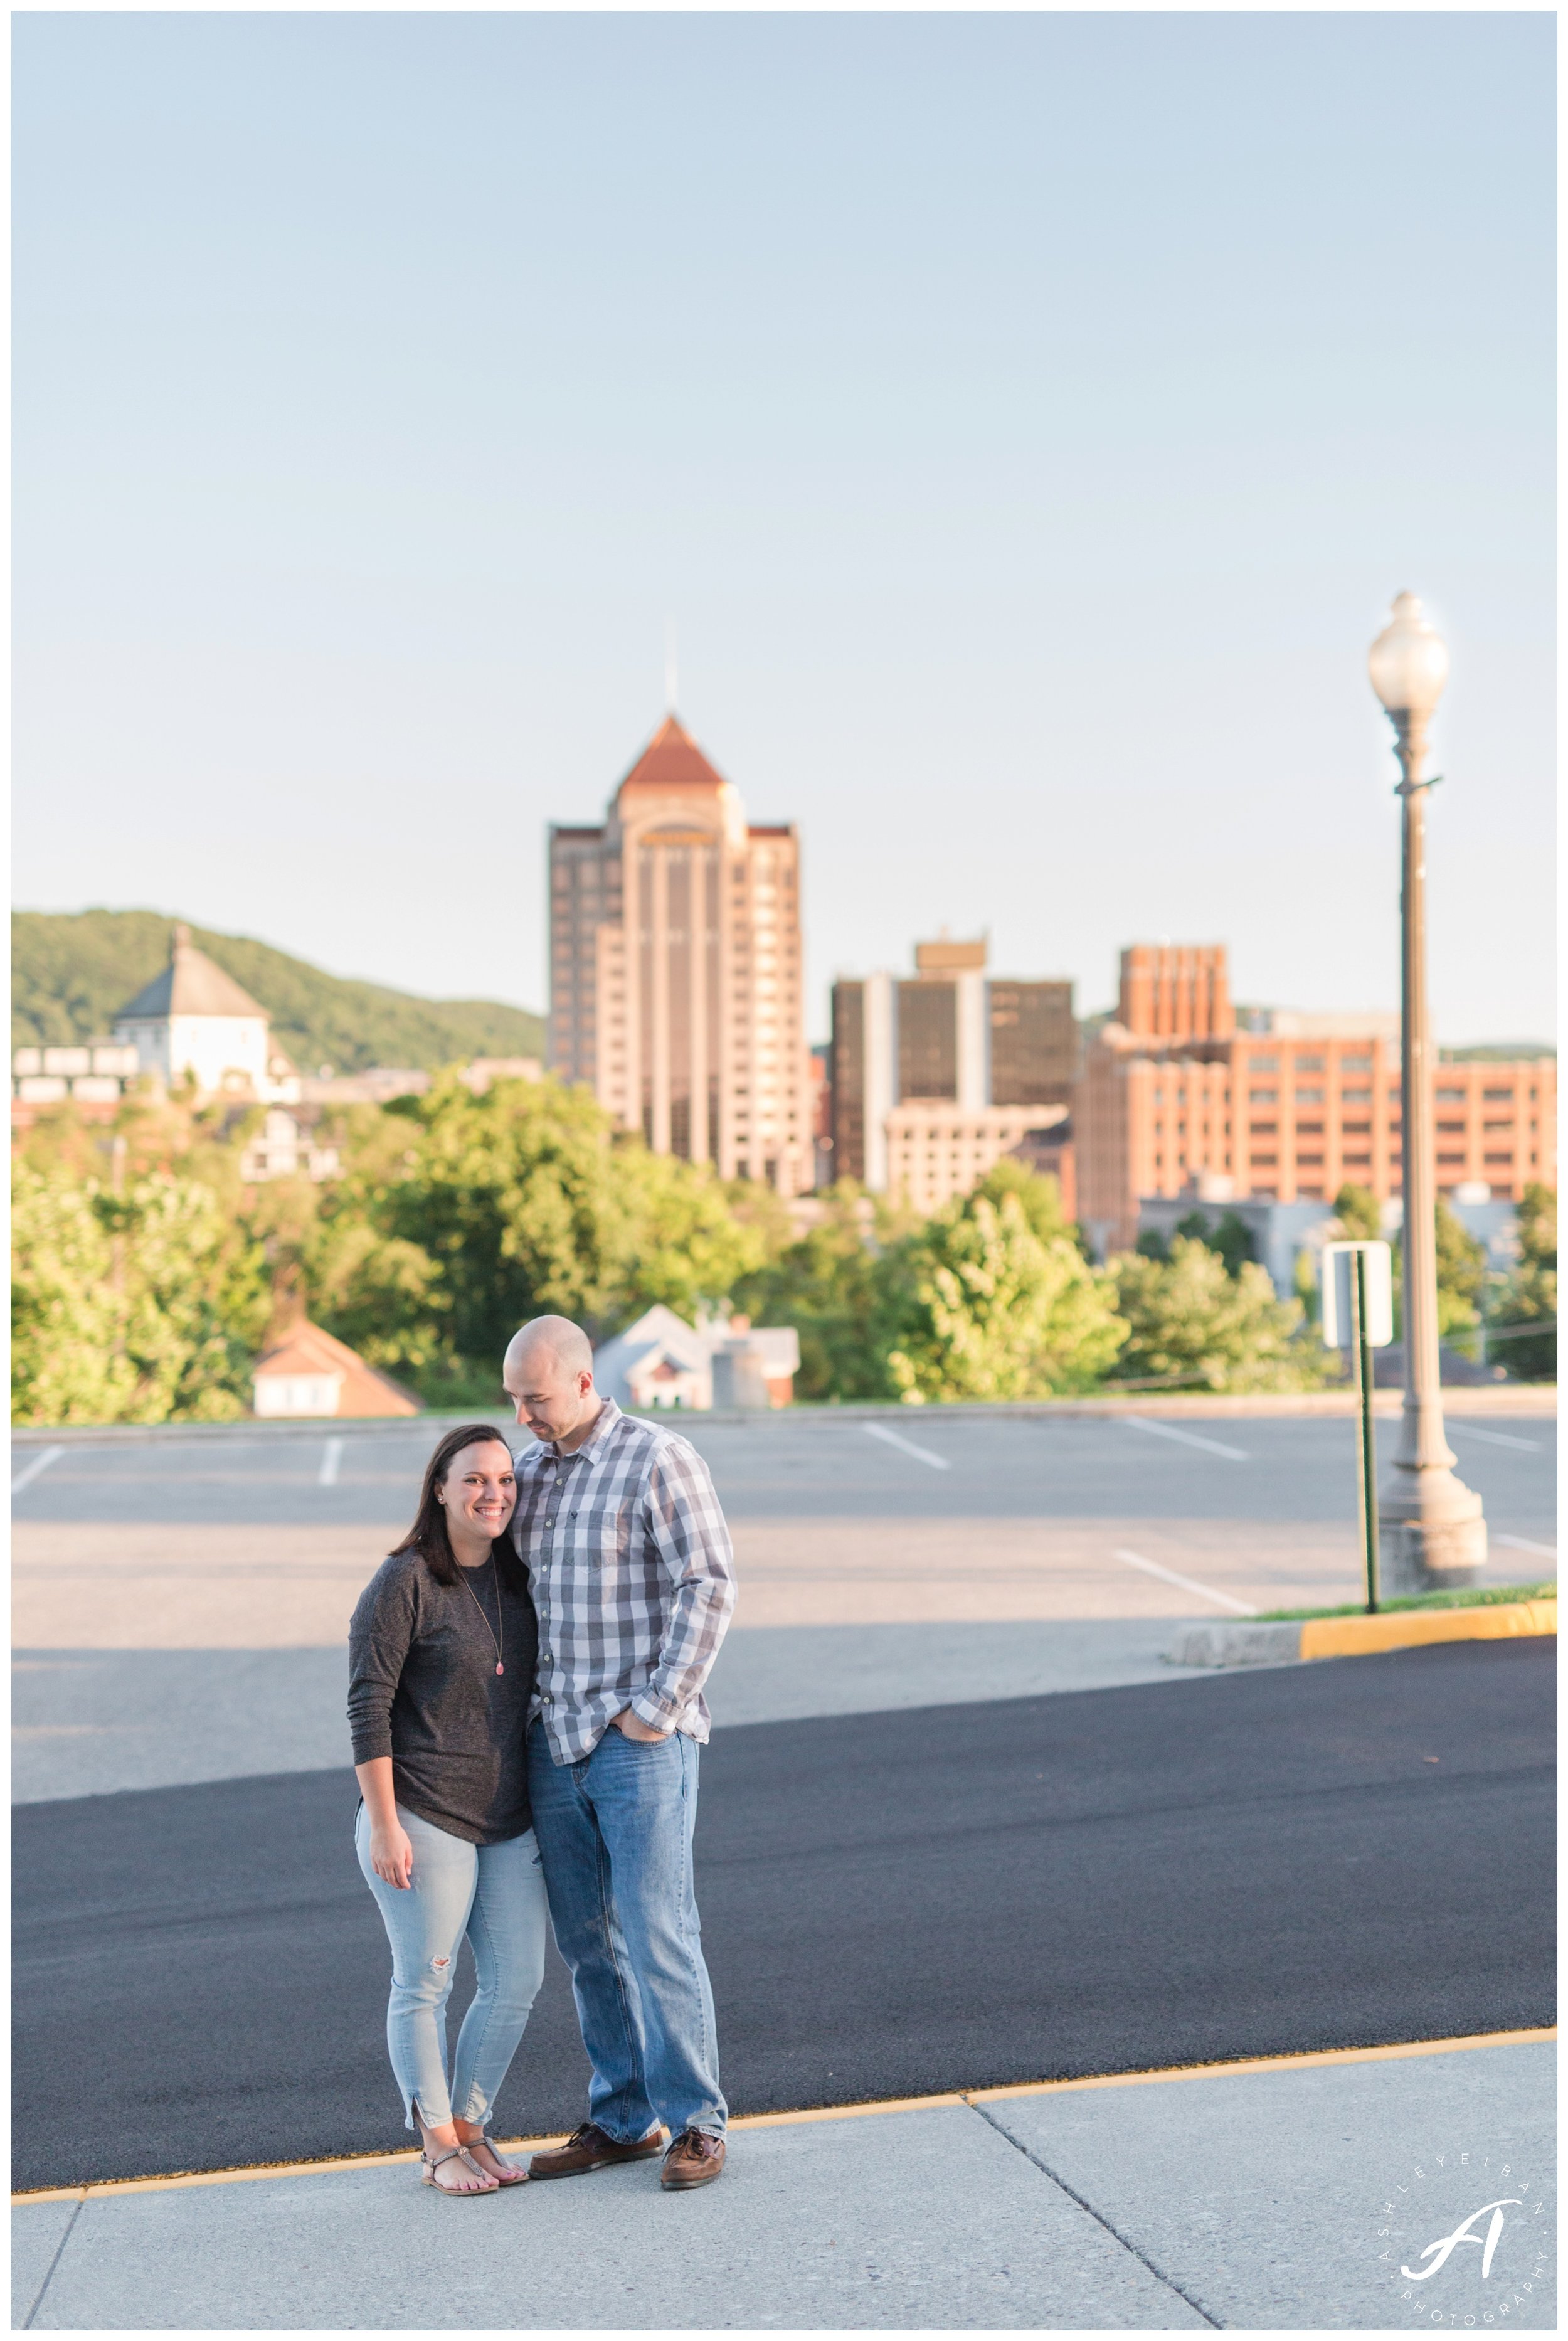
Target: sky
[1025,419]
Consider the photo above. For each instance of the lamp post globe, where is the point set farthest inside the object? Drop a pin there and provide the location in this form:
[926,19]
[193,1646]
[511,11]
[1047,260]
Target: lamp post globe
[1434,1530]
[1408,662]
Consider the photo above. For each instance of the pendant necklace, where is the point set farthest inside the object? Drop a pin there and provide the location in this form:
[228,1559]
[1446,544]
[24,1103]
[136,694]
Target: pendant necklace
[501,1620]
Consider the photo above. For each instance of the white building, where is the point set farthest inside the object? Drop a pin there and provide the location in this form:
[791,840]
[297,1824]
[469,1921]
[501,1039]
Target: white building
[93,1075]
[285,1146]
[662,1361]
[659,1360]
[195,1021]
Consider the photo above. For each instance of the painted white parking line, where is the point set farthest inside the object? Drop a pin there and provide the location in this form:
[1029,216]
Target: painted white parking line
[1188,1437]
[1188,1584]
[327,1477]
[31,1471]
[1524,1544]
[1494,1437]
[905,1446]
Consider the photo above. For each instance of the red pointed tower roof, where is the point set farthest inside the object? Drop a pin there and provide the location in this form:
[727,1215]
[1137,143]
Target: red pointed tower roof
[673,760]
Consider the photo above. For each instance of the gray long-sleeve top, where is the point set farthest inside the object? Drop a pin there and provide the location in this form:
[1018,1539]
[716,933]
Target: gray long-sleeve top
[423,1690]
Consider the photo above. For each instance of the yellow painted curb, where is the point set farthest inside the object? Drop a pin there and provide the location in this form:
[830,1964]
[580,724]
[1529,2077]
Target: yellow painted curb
[1397,1629]
[1311,2057]
[1537,2036]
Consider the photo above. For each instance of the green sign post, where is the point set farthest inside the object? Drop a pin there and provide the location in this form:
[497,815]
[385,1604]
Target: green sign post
[1358,1315]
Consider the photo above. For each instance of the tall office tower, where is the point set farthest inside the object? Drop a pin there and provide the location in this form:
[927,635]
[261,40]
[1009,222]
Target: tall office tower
[936,1075]
[861,1070]
[1034,1038]
[675,969]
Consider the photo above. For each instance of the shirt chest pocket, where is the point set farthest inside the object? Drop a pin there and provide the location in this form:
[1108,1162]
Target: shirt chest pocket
[609,1547]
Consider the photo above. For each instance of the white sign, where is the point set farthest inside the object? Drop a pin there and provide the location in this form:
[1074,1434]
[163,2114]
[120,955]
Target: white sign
[1339,1294]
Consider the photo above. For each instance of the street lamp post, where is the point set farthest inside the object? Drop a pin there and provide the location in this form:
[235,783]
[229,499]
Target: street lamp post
[1434,1533]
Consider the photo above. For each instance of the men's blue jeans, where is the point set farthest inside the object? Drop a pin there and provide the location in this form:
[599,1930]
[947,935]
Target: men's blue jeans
[493,1894]
[614,1834]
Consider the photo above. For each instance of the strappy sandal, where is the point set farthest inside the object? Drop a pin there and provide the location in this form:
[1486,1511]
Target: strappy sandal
[456,2193]
[509,2173]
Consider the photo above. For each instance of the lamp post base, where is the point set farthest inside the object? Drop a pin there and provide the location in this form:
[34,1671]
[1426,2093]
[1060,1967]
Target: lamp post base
[1436,1551]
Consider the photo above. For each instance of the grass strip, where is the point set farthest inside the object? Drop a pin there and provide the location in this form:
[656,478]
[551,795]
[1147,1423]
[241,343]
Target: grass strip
[1468,1596]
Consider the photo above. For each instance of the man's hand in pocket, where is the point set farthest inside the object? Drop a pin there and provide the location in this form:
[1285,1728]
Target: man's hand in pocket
[632,1726]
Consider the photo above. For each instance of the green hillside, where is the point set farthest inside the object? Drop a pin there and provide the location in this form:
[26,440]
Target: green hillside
[70,974]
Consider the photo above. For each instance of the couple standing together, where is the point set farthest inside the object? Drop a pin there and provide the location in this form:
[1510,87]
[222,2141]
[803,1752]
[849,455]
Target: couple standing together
[525,1698]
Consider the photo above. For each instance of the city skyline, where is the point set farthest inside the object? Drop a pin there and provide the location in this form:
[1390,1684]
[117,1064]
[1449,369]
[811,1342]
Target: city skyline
[1026,444]
[1088,1010]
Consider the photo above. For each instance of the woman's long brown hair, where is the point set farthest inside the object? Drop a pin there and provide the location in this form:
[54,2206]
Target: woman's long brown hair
[429,1536]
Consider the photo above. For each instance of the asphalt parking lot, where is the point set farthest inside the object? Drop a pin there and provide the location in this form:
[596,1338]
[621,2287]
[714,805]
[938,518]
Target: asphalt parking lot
[921,1465]
[181,1599]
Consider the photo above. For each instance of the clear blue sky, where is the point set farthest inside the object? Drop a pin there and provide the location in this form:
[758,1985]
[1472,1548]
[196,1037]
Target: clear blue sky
[1027,419]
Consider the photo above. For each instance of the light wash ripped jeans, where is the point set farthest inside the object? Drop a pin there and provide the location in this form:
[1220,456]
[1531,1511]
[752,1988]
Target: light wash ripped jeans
[493,1894]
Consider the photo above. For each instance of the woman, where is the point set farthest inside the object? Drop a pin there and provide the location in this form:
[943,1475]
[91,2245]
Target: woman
[442,1662]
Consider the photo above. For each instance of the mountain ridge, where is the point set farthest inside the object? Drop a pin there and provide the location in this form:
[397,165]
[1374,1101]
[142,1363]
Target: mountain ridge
[73,970]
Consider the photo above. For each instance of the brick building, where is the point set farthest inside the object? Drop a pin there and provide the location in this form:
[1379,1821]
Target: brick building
[1174,1097]
[675,969]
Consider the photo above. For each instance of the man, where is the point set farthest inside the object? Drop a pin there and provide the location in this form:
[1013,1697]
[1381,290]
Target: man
[619,1528]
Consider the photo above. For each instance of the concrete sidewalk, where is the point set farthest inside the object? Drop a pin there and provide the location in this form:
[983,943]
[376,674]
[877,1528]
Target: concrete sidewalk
[1287,2195]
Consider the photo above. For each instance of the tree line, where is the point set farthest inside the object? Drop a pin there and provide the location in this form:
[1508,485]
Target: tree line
[147,1276]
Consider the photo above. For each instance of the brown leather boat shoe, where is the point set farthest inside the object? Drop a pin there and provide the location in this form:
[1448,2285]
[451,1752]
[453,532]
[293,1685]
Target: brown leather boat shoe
[695,2159]
[589,2148]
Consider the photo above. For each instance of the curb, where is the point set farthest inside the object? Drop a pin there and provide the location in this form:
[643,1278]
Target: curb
[1522,1399]
[1280,1642]
[1302,2060]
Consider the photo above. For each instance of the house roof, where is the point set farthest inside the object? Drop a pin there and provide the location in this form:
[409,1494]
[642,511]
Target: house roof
[658,1327]
[673,760]
[659,1333]
[191,985]
[307,1349]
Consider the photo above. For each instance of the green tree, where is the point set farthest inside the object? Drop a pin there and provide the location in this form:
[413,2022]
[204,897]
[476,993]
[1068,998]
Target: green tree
[1460,1274]
[1461,1280]
[460,1216]
[1538,1225]
[1040,1194]
[990,1310]
[832,1286]
[1528,1296]
[137,1304]
[62,1330]
[1359,1213]
[1306,1272]
[1192,1320]
[1230,1237]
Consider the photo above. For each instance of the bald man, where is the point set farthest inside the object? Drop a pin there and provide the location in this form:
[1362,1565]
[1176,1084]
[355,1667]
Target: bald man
[633,1581]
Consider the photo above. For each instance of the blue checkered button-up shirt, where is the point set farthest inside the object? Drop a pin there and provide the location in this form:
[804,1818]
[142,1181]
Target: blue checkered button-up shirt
[632,1577]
